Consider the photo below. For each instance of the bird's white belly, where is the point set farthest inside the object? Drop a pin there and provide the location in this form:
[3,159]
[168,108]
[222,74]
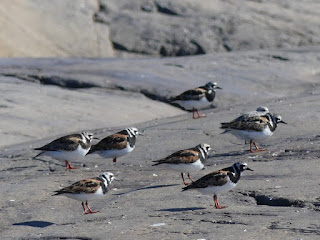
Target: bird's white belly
[191,104]
[68,155]
[115,152]
[215,190]
[252,135]
[186,167]
[84,196]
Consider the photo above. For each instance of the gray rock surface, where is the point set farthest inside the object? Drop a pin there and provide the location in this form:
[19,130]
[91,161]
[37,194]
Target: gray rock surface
[32,111]
[113,92]
[126,28]
[279,200]
[45,28]
[187,27]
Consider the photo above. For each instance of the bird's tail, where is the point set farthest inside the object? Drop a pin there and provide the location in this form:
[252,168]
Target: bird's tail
[56,193]
[157,162]
[224,125]
[38,154]
[225,131]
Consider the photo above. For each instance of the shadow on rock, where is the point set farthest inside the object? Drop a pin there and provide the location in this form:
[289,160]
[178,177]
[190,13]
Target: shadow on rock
[39,224]
[181,209]
[146,188]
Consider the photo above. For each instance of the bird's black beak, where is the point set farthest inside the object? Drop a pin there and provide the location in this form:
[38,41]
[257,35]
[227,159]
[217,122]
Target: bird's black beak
[283,122]
[96,138]
[249,169]
[217,87]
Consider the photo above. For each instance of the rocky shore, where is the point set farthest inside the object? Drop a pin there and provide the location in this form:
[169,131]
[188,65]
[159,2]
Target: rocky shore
[46,98]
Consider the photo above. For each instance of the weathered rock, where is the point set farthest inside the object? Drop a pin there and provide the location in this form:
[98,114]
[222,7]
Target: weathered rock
[275,201]
[43,97]
[36,28]
[178,28]
[48,96]
[44,28]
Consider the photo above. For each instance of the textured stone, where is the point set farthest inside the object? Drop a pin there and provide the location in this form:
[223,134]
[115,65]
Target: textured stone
[45,28]
[187,27]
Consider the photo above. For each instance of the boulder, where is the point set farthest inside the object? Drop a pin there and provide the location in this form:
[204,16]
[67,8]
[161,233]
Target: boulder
[186,27]
[44,28]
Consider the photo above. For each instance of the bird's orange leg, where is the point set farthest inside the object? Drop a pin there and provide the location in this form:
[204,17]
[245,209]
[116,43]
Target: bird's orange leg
[84,209]
[89,209]
[216,203]
[198,113]
[68,166]
[190,177]
[184,182]
[193,114]
[257,148]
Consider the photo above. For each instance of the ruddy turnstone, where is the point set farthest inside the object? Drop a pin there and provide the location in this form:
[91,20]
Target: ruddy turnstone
[186,160]
[197,98]
[68,148]
[219,181]
[116,145]
[260,111]
[88,189]
[253,127]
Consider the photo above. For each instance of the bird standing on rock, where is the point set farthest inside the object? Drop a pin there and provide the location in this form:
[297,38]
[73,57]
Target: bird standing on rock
[88,189]
[197,98]
[219,181]
[186,160]
[253,127]
[116,145]
[68,148]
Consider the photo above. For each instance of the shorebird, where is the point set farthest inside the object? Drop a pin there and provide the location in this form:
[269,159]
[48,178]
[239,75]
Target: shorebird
[219,181]
[253,127]
[260,111]
[116,145]
[88,189]
[197,98]
[187,160]
[68,148]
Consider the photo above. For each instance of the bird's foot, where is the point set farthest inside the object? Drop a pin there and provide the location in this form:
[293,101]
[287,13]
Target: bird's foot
[68,166]
[89,212]
[257,150]
[199,116]
[220,207]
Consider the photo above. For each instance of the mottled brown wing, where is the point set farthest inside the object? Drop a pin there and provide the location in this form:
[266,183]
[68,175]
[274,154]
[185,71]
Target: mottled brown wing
[250,123]
[182,156]
[192,94]
[217,178]
[115,141]
[67,143]
[84,186]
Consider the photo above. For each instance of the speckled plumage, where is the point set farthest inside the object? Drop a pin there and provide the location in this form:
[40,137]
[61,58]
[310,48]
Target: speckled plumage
[88,189]
[116,145]
[219,181]
[68,148]
[197,98]
[253,127]
[186,160]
